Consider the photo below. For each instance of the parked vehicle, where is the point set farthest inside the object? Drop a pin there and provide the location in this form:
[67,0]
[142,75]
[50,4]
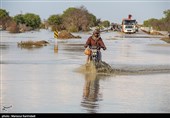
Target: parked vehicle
[129,25]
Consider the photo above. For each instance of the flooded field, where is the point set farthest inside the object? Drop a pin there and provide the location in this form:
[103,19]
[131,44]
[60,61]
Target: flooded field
[44,80]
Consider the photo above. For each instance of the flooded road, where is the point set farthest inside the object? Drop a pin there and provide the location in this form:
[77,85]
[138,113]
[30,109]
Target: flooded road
[39,80]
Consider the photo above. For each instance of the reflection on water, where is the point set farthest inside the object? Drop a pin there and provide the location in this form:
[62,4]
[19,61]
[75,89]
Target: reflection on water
[3,46]
[91,93]
[55,46]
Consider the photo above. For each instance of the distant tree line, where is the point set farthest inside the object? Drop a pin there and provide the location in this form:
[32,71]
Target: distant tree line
[162,24]
[73,20]
[20,22]
[28,19]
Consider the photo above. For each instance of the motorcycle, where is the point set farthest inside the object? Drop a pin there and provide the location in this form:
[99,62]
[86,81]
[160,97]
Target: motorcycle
[96,63]
[95,56]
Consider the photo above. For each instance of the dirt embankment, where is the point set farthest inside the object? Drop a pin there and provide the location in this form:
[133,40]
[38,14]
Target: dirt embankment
[166,39]
[152,32]
[165,35]
[66,35]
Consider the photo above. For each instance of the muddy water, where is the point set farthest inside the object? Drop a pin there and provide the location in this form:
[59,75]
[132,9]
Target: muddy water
[45,80]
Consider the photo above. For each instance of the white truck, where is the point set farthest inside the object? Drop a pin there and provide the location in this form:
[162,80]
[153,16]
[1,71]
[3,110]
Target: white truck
[129,25]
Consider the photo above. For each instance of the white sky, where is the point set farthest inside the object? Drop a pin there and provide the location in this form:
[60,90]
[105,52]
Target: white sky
[112,10]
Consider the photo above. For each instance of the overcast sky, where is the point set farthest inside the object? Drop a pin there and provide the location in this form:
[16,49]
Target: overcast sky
[112,10]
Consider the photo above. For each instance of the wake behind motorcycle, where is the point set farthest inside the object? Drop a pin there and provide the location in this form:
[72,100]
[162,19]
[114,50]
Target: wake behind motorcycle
[95,63]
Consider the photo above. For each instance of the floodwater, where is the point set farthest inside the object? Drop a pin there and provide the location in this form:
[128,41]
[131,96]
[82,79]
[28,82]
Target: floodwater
[44,80]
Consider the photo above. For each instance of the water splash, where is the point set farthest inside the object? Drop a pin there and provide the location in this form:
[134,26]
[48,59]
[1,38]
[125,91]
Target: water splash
[104,68]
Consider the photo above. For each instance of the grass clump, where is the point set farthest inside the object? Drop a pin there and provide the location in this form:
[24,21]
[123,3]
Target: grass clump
[31,44]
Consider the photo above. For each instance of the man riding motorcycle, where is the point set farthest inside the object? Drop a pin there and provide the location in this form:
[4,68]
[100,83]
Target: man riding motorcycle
[95,41]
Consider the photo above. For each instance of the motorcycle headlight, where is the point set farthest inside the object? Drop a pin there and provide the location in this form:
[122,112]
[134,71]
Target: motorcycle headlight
[94,53]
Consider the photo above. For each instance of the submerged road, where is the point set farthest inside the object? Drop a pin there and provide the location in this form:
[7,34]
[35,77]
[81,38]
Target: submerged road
[41,80]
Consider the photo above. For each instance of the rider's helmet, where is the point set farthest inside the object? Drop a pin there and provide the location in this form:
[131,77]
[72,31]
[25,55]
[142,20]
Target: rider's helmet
[96,31]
